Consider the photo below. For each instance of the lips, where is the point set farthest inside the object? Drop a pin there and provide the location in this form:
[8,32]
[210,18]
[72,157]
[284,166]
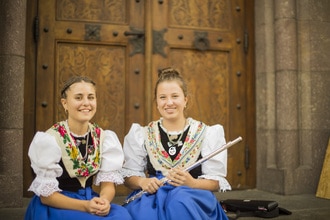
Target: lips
[170,110]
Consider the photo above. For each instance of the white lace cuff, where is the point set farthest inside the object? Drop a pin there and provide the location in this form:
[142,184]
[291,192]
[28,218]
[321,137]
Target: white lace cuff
[44,186]
[223,183]
[128,173]
[113,176]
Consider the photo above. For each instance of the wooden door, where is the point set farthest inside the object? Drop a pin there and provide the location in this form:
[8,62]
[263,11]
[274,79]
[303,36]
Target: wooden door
[121,45]
[208,42]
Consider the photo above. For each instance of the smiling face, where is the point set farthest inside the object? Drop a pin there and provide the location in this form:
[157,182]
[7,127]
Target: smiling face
[80,102]
[171,100]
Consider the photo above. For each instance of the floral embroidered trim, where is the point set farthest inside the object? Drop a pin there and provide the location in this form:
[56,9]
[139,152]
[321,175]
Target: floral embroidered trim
[188,153]
[80,167]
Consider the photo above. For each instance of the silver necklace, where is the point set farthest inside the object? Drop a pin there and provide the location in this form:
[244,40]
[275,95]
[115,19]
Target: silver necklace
[174,144]
[86,142]
[178,136]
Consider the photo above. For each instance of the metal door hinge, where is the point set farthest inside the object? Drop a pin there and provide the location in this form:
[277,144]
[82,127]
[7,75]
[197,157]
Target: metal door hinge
[247,157]
[246,41]
[36,29]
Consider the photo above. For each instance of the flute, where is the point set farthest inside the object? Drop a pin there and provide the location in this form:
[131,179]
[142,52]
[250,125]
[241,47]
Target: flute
[196,164]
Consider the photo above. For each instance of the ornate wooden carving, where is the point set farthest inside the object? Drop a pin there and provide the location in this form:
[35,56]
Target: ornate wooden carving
[207,76]
[200,14]
[106,66]
[105,11]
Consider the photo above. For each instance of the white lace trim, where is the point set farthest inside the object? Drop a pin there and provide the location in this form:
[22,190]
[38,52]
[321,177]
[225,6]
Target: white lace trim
[113,176]
[223,183]
[128,173]
[44,186]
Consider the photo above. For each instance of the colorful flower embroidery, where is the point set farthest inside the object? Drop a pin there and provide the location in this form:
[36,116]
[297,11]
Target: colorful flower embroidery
[81,167]
[165,154]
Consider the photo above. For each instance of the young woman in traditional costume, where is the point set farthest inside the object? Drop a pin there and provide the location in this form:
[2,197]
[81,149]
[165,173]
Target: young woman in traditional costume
[72,155]
[164,148]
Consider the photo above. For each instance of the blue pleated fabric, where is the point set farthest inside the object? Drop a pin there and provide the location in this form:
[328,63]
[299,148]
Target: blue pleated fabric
[179,203]
[37,211]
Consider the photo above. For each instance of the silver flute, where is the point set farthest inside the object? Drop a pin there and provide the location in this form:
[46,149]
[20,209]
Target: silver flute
[196,164]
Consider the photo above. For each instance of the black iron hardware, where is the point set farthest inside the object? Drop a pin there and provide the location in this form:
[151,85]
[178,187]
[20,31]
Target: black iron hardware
[201,41]
[44,104]
[247,157]
[36,29]
[137,105]
[134,33]
[246,41]
[137,41]
[92,32]
[159,43]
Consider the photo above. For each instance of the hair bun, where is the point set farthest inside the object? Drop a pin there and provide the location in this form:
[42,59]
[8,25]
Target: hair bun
[168,71]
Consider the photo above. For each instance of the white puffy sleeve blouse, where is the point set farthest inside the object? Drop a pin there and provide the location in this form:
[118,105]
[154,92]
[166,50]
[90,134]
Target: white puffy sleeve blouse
[214,168]
[45,155]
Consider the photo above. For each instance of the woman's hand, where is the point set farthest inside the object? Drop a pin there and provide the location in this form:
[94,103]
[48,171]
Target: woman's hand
[150,185]
[98,206]
[179,177]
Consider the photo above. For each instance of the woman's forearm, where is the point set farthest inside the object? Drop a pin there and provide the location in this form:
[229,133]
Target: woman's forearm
[58,200]
[133,182]
[107,191]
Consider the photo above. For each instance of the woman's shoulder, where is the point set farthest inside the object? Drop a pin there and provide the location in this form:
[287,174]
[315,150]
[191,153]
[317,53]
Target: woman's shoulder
[41,136]
[43,144]
[212,127]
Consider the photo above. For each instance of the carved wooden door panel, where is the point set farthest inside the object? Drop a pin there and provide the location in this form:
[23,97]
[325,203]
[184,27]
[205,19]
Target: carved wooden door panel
[87,38]
[92,38]
[122,43]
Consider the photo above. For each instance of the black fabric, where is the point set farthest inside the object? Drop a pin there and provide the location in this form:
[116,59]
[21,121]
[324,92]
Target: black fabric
[165,140]
[257,208]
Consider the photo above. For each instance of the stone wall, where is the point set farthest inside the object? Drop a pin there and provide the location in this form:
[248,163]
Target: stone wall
[12,53]
[292,89]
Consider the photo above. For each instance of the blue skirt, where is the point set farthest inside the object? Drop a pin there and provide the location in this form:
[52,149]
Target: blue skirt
[179,203]
[38,211]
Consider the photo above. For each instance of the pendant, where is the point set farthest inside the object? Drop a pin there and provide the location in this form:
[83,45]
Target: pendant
[172,151]
[83,141]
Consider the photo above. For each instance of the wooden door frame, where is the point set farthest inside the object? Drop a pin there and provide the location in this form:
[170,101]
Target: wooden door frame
[250,97]
[29,119]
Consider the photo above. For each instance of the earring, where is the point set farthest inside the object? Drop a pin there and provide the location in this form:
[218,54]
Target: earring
[66,111]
